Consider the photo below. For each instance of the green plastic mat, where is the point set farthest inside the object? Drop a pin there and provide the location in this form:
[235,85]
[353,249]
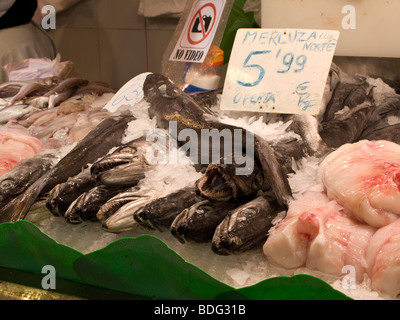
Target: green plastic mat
[142,266]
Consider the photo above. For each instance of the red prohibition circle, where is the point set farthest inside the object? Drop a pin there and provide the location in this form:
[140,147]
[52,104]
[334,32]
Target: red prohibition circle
[198,13]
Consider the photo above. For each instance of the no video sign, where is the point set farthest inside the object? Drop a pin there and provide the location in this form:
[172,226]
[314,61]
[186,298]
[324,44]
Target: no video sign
[198,33]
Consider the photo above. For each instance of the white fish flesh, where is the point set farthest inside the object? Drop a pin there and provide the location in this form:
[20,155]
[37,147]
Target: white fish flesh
[318,234]
[16,144]
[364,177]
[383,256]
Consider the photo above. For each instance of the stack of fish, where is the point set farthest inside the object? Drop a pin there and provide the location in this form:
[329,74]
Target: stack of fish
[99,179]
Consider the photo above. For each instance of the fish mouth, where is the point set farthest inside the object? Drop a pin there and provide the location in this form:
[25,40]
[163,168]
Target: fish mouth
[216,184]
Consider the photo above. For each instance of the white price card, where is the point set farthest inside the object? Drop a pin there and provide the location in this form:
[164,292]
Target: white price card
[278,70]
[130,93]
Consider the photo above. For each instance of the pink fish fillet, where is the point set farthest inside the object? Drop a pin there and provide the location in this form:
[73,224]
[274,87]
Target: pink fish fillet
[321,237]
[16,144]
[364,177]
[383,256]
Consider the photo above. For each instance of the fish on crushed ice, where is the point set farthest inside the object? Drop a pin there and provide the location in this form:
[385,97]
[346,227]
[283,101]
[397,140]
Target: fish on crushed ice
[246,227]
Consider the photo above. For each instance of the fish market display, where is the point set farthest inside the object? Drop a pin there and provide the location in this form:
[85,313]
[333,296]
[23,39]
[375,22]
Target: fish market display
[93,165]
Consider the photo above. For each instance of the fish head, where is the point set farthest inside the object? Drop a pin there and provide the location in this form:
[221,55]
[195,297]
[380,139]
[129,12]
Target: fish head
[194,214]
[170,103]
[244,228]
[132,153]
[220,182]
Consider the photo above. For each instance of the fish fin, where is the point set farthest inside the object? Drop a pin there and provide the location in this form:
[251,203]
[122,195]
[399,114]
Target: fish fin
[273,171]
[18,207]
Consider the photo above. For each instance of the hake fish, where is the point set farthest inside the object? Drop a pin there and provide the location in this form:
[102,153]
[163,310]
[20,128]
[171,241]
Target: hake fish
[169,103]
[246,227]
[161,212]
[97,143]
[125,166]
[199,221]
[86,206]
[23,175]
[64,194]
[350,117]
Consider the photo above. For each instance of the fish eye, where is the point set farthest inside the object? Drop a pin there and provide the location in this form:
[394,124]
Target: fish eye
[248,212]
[7,184]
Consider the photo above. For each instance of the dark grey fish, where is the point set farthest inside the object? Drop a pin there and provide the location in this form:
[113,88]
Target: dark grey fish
[389,133]
[112,205]
[17,207]
[124,175]
[199,221]
[386,113]
[246,227]
[86,206]
[124,167]
[169,103]
[161,212]
[97,143]
[63,194]
[206,99]
[288,150]
[23,175]
[221,183]
[306,126]
[346,94]
[347,127]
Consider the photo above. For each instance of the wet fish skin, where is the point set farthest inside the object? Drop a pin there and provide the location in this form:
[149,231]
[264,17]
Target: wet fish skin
[86,206]
[306,126]
[221,183]
[124,166]
[24,174]
[169,103]
[348,127]
[112,205]
[106,135]
[348,94]
[389,133]
[18,207]
[63,194]
[41,85]
[16,111]
[161,212]
[198,222]
[123,218]
[246,227]
[125,175]
[386,114]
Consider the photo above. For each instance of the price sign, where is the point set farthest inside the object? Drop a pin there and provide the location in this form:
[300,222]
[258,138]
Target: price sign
[130,94]
[278,70]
